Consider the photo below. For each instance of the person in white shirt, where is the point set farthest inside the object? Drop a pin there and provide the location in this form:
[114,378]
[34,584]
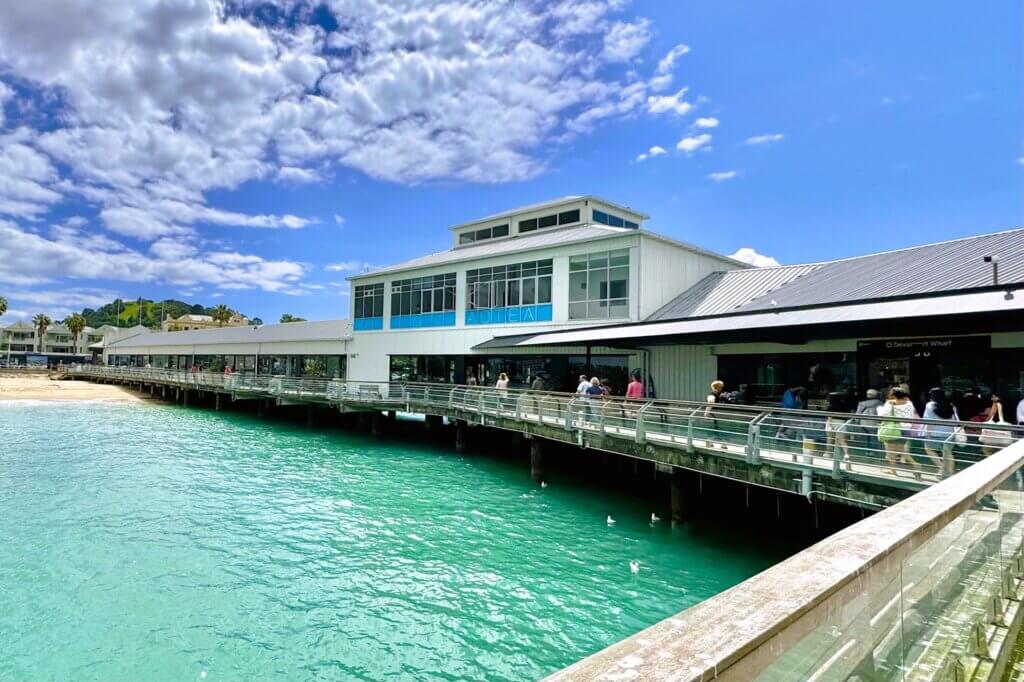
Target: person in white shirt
[581,388]
[1020,411]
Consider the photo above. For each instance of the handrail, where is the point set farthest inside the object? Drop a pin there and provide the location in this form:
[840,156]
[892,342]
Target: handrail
[738,633]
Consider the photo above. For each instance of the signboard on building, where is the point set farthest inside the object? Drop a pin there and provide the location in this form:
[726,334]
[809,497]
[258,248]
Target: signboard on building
[927,345]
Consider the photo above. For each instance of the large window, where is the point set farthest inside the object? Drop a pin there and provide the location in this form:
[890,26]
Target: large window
[484,234]
[524,287]
[613,220]
[423,301]
[563,218]
[369,306]
[599,285]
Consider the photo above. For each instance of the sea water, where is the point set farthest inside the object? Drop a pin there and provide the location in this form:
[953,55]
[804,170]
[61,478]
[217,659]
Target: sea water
[163,543]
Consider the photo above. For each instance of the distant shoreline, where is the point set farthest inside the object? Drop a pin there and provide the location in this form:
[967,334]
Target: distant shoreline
[39,387]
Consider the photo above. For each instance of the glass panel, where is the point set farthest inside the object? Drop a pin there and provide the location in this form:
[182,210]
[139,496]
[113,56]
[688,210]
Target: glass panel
[615,221]
[597,309]
[416,307]
[547,221]
[439,299]
[544,289]
[600,217]
[500,231]
[619,282]
[528,225]
[619,308]
[597,284]
[577,311]
[529,291]
[498,294]
[378,304]
[599,260]
[577,263]
[632,225]
[449,298]
[483,234]
[578,286]
[466,238]
[513,292]
[569,217]
[427,302]
[619,257]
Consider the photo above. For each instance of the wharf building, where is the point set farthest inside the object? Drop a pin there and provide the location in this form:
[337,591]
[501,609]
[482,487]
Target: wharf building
[578,286]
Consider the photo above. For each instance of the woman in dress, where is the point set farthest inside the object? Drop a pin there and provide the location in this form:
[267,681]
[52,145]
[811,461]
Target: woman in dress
[893,434]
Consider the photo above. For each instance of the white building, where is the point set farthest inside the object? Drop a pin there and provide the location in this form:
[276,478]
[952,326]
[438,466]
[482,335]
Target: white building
[558,265]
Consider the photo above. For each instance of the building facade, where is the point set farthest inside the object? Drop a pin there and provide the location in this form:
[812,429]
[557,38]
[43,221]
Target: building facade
[563,264]
[191,321]
[20,343]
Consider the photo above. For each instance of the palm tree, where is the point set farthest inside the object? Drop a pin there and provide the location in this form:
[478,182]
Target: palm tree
[75,325]
[221,314]
[42,323]
[288,317]
[3,306]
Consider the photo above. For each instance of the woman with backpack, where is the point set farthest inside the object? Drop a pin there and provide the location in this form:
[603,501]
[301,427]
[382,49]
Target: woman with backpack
[893,433]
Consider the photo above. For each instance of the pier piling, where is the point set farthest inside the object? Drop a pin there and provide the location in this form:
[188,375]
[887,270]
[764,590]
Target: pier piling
[184,399]
[460,435]
[678,498]
[216,401]
[378,424]
[537,472]
[311,415]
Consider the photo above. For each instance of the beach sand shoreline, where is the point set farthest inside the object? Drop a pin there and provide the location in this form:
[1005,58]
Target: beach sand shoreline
[40,387]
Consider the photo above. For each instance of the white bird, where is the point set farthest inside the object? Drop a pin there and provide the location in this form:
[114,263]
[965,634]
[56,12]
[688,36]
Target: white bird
[611,521]
[543,484]
[655,518]
[634,566]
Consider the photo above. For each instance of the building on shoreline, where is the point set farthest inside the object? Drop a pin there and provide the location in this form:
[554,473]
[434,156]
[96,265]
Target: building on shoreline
[192,321]
[19,343]
[578,286]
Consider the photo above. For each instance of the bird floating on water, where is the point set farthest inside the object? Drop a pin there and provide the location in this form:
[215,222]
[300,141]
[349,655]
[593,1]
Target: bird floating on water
[543,484]
[611,521]
[655,518]
[634,566]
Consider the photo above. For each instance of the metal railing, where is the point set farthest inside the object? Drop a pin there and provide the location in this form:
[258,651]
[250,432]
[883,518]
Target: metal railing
[836,444]
[928,589]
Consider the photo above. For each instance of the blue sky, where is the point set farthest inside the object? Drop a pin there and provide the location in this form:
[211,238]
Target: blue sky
[230,153]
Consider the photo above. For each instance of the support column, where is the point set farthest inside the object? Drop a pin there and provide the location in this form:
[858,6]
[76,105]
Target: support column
[163,392]
[216,401]
[260,408]
[184,399]
[152,390]
[434,423]
[310,415]
[537,471]
[378,424]
[461,435]
[678,498]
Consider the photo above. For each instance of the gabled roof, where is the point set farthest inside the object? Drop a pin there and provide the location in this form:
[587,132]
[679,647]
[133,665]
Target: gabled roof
[950,266]
[19,325]
[322,330]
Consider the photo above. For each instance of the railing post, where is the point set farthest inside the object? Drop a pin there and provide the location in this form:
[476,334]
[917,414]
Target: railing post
[837,451]
[948,462]
[640,431]
[689,428]
[570,409]
[520,410]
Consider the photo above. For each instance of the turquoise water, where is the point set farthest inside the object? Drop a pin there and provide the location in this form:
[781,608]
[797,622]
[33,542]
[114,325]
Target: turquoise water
[162,543]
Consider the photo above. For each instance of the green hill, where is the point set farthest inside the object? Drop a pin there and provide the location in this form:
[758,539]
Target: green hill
[121,313]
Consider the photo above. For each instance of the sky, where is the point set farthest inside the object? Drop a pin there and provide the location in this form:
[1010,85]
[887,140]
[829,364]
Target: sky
[256,155]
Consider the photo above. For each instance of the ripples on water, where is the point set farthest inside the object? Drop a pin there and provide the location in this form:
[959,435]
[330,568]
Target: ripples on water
[155,542]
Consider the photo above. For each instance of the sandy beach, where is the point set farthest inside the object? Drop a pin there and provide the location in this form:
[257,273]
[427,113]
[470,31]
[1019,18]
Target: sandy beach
[40,387]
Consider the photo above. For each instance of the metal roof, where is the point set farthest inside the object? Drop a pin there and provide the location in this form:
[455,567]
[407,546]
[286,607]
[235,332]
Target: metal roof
[724,292]
[533,242]
[927,306]
[322,330]
[954,265]
[548,204]
[500,247]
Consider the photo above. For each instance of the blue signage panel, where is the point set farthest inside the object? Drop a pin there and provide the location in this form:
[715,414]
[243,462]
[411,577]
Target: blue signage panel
[423,320]
[363,324]
[521,314]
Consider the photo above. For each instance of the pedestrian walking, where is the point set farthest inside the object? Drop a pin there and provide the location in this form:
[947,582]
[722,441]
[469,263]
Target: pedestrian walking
[894,433]
[937,436]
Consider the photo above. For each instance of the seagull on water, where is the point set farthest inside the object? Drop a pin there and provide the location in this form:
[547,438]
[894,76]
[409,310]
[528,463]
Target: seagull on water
[634,566]
[611,521]
[543,484]
[655,518]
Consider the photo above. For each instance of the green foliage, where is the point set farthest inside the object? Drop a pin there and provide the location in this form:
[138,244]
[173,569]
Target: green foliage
[126,313]
[3,305]
[288,317]
[221,314]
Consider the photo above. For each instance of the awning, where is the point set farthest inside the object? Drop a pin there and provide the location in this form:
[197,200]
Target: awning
[895,313]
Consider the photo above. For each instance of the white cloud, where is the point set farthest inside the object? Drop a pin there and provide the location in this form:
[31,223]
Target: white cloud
[27,258]
[349,266]
[752,257]
[764,139]
[722,176]
[297,175]
[706,122]
[1020,160]
[623,41]
[6,93]
[693,143]
[338,219]
[668,62]
[660,104]
[651,153]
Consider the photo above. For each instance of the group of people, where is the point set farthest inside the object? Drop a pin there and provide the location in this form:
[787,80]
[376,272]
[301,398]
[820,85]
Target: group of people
[898,427]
